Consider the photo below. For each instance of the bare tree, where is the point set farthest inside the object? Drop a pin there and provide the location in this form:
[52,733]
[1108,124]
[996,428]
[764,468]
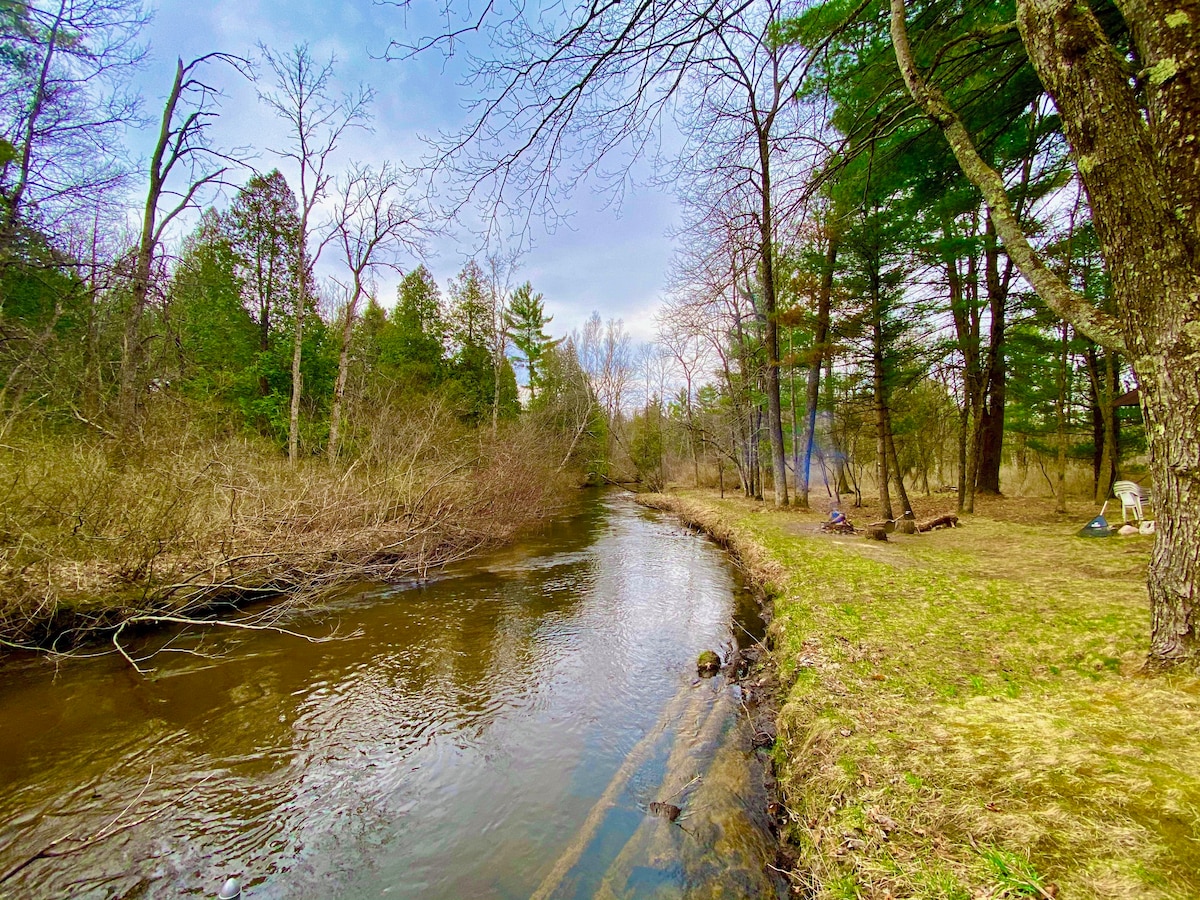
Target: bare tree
[710,294]
[303,97]
[685,344]
[64,101]
[182,147]
[374,221]
[606,356]
[501,266]
[739,114]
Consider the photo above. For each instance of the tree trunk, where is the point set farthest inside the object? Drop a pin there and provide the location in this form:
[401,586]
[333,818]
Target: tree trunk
[298,341]
[339,386]
[964,312]
[1102,377]
[1142,176]
[894,465]
[991,425]
[771,325]
[795,425]
[881,425]
[813,388]
[1060,417]
[131,340]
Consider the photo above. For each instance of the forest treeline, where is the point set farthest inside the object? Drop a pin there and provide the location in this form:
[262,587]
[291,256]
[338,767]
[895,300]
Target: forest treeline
[190,422]
[956,230]
[845,283]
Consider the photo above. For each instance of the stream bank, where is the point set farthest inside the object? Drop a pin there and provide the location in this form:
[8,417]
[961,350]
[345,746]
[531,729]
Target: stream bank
[964,713]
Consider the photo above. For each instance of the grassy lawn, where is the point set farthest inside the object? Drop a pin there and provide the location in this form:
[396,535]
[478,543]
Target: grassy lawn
[963,714]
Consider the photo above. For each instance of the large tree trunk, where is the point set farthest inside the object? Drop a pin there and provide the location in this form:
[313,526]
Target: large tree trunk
[1142,176]
[1141,172]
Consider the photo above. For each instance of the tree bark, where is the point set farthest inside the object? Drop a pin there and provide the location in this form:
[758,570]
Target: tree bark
[991,425]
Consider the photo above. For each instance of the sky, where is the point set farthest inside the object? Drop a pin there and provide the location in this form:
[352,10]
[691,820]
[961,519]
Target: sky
[608,259]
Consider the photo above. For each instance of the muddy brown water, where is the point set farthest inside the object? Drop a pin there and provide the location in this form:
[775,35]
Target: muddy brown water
[499,732]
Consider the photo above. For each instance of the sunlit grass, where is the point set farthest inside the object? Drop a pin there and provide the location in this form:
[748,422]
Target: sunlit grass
[964,714]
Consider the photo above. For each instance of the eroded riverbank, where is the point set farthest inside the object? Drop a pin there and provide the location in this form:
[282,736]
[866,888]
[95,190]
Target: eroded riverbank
[500,732]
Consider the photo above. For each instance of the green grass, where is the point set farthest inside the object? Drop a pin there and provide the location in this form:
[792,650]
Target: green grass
[978,691]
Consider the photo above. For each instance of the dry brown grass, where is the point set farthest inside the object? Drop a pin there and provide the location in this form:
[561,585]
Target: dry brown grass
[92,532]
[965,714]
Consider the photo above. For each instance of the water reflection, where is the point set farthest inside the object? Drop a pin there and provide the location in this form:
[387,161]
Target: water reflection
[457,747]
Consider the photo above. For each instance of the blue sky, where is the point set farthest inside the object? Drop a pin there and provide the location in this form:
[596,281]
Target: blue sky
[607,260]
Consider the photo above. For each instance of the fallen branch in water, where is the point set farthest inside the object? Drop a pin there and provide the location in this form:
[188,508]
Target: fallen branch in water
[115,827]
[210,623]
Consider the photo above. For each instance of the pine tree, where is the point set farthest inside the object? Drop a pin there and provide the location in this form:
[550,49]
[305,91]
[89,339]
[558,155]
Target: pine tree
[527,321]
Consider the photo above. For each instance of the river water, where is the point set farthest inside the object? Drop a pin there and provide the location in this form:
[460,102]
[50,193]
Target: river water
[498,732]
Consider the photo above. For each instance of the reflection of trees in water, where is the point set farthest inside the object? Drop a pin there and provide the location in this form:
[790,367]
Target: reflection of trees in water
[317,753]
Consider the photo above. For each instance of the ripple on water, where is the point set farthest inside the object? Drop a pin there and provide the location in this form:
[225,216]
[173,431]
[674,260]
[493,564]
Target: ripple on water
[454,749]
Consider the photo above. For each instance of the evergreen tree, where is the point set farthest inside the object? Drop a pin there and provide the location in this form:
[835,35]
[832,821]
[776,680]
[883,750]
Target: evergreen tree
[527,321]
[469,320]
[215,337]
[473,371]
[412,344]
[264,231]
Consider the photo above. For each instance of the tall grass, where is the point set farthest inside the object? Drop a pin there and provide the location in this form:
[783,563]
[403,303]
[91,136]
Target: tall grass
[193,511]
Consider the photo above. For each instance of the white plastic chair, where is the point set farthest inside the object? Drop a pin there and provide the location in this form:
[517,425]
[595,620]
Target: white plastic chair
[1132,498]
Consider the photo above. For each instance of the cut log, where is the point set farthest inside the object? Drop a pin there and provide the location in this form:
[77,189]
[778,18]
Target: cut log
[949,521]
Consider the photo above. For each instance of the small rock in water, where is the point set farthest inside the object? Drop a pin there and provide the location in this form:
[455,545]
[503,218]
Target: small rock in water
[764,735]
[668,811]
[708,663]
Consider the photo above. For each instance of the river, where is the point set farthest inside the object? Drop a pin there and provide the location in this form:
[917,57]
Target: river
[498,732]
